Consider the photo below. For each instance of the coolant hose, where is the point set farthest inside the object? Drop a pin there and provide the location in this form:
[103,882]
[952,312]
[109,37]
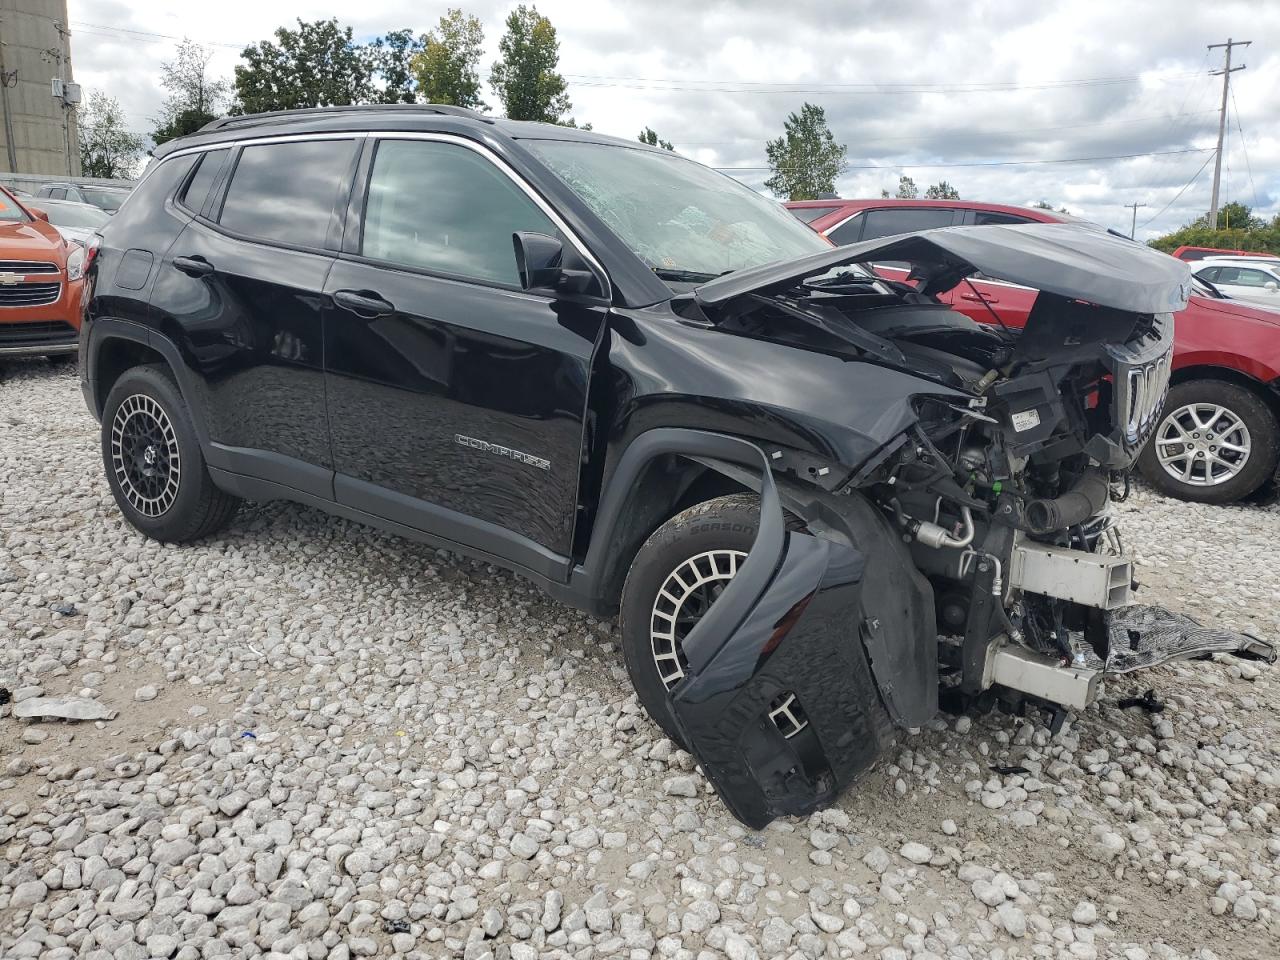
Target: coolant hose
[1084,500]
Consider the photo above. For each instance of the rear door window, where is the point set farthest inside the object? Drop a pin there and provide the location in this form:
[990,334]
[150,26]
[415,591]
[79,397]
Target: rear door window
[286,192]
[445,208]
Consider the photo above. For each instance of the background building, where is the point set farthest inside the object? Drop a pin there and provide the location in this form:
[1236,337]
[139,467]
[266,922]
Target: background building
[38,132]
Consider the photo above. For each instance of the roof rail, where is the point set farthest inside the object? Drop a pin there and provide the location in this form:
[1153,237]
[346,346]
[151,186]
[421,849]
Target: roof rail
[254,119]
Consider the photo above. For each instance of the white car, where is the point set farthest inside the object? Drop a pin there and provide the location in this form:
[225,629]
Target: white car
[75,221]
[1255,281]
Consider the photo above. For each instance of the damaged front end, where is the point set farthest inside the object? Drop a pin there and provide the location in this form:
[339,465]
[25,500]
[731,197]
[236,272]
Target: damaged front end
[975,552]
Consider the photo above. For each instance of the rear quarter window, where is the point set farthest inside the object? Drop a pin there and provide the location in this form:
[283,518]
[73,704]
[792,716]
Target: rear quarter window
[196,192]
[810,214]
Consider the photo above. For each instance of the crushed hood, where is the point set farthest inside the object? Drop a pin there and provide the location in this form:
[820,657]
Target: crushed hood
[1082,263]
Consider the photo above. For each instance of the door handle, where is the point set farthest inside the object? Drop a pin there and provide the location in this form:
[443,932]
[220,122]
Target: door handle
[978,299]
[193,266]
[363,303]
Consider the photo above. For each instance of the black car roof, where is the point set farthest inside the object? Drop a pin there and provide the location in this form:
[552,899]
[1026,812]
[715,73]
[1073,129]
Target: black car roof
[426,117]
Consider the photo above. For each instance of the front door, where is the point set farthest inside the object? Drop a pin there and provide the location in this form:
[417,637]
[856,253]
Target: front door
[456,399]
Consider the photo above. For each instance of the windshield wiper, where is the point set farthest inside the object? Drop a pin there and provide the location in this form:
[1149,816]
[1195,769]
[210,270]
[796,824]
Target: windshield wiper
[841,282]
[685,276]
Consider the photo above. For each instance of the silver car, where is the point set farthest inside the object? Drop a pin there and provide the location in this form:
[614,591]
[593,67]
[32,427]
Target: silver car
[75,221]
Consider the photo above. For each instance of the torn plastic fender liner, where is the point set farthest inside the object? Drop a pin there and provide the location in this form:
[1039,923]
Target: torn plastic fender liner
[787,624]
[799,638]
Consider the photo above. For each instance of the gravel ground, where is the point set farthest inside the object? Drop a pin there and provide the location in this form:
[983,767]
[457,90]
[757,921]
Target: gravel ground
[331,743]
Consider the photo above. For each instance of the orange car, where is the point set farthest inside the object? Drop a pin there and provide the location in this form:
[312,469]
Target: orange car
[41,284]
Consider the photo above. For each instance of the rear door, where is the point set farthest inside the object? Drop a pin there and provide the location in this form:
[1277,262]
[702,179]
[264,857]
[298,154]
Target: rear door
[456,399]
[244,283]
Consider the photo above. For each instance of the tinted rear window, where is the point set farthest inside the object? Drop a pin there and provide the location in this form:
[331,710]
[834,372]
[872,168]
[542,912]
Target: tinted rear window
[810,214]
[286,191]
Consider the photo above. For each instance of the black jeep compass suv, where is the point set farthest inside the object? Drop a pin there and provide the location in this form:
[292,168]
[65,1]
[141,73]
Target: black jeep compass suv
[656,394]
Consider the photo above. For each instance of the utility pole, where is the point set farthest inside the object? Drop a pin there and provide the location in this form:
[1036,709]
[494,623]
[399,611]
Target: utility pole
[63,33]
[1226,72]
[1134,226]
[5,82]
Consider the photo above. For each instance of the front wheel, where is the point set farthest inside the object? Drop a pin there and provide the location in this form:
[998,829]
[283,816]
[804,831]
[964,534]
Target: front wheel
[675,578]
[1216,442]
[154,464]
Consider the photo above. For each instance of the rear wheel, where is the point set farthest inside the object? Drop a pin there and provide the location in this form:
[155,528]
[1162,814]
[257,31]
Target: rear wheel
[1216,442]
[675,578]
[153,460]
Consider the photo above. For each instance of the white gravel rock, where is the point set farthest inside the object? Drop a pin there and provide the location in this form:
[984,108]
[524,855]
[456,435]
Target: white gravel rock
[361,746]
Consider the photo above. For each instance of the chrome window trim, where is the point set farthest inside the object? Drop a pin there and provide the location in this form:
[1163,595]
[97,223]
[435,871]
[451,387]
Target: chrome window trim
[466,142]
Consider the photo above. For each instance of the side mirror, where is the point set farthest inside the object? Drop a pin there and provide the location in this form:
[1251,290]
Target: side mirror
[38,214]
[544,263]
[1272,286]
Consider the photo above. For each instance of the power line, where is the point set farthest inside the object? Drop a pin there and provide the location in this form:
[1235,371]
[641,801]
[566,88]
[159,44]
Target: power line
[1002,163]
[977,134]
[1194,176]
[863,87]
[1243,146]
[867,88]
[146,33]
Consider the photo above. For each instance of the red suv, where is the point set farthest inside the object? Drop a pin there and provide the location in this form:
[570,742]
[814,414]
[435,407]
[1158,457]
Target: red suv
[1218,438]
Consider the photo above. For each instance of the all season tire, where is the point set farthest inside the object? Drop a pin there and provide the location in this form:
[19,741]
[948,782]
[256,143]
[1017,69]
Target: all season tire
[711,538]
[1216,442]
[153,460]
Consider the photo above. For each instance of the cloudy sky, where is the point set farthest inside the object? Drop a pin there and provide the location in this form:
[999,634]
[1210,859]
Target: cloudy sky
[967,92]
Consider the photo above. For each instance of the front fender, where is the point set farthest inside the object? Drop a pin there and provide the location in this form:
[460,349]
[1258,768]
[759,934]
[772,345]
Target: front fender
[788,624]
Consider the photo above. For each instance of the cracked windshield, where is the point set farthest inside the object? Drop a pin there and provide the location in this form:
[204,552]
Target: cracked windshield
[684,220]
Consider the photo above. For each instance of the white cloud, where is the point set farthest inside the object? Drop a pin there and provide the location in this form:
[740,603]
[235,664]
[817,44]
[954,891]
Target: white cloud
[661,53]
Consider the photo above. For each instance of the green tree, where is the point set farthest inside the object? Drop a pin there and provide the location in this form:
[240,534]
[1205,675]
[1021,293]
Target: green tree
[315,65]
[107,147]
[907,189]
[390,59]
[805,160]
[1235,216]
[446,67]
[650,136]
[525,78]
[194,97]
[942,191]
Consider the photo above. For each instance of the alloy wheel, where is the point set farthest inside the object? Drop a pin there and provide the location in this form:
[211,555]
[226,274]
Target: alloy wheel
[144,455]
[683,599]
[1202,444]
